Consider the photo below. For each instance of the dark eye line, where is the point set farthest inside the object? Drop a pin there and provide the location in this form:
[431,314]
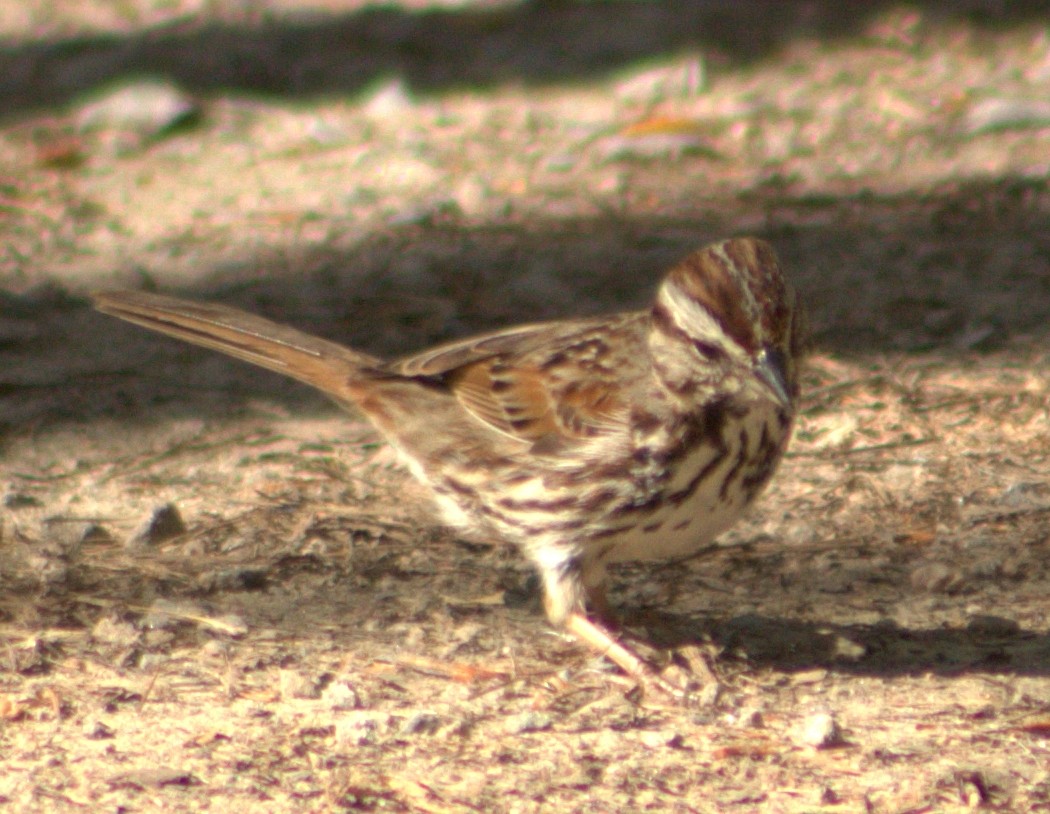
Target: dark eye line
[708,350]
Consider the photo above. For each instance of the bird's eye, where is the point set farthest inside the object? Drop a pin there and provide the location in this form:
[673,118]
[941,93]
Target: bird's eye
[708,350]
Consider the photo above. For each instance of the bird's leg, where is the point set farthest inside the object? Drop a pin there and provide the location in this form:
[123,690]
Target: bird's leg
[600,639]
[565,606]
[598,602]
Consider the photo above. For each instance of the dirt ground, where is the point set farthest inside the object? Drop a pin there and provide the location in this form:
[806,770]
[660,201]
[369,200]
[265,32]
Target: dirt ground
[217,592]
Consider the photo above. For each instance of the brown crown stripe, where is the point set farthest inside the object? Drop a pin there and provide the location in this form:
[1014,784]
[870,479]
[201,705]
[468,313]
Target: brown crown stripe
[708,279]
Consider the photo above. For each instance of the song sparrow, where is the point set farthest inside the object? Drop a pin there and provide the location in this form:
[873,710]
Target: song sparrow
[635,436]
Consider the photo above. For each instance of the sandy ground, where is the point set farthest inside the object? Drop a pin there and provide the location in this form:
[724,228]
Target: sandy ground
[217,592]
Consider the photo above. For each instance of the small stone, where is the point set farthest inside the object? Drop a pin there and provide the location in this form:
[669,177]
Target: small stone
[988,625]
[360,727]
[215,649]
[936,578]
[238,578]
[1002,113]
[471,196]
[164,524]
[982,335]
[73,534]
[829,797]
[97,730]
[149,663]
[660,738]
[834,431]
[652,84]
[428,213]
[531,721]
[168,613]
[420,723]
[49,562]
[108,630]
[19,500]
[387,98]
[142,111]
[821,731]
[157,640]
[293,684]
[750,717]
[640,143]
[1023,493]
[231,624]
[847,649]
[158,777]
[341,695]
[708,695]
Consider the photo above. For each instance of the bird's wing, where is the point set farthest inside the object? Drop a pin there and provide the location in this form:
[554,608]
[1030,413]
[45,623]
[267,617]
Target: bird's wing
[549,382]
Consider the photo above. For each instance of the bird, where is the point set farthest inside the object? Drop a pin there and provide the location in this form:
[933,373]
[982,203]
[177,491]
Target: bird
[635,436]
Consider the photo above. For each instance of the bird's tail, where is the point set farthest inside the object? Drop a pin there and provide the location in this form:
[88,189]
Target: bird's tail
[326,365]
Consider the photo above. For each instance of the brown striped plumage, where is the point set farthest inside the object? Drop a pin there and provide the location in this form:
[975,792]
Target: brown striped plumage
[637,436]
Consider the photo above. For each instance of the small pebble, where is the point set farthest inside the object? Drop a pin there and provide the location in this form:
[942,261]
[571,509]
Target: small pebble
[294,684]
[72,535]
[341,695]
[750,717]
[821,731]
[215,649]
[637,144]
[531,721]
[360,727]
[981,335]
[141,111]
[686,79]
[20,500]
[985,624]
[936,578]
[108,630]
[167,613]
[660,738]
[420,723]
[1001,113]
[847,649]
[165,523]
[428,213]
[96,730]
[158,777]
[1022,493]
[387,98]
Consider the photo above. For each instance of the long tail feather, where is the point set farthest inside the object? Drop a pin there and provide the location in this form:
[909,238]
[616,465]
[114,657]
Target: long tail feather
[310,359]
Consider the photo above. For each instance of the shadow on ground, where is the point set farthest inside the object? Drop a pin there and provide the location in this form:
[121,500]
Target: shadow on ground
[990,646]
[530,42]
[964,270]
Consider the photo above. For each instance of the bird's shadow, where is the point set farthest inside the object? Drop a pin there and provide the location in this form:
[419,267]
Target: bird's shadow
[988,645]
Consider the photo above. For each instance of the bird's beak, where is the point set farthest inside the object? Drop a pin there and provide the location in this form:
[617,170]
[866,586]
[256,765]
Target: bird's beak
[771,368]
